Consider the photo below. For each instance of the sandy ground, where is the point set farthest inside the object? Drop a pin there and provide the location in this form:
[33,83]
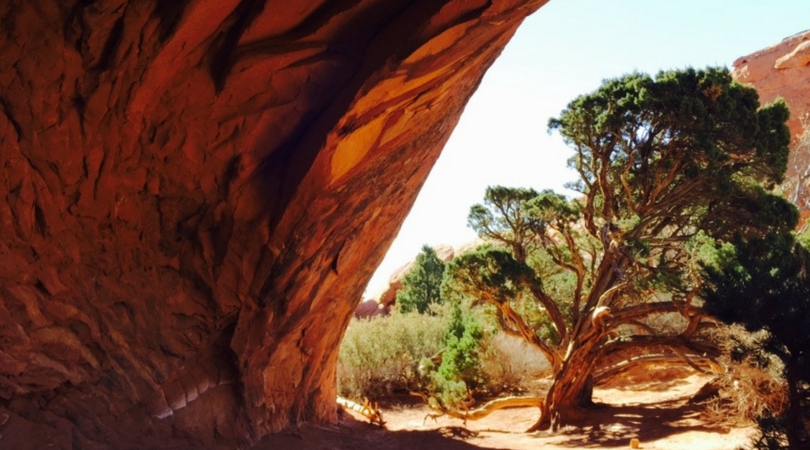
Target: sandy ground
[655,413]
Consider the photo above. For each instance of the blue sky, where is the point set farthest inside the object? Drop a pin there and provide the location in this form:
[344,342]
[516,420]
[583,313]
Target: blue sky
[566,49]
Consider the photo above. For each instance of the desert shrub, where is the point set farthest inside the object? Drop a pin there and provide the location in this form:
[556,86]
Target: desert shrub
[459,375]
[510,365]
[463,342]
[762,284]
[379,356]
[752,388]
[452,355]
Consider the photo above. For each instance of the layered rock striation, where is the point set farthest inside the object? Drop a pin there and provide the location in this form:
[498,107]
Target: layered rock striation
[194,194]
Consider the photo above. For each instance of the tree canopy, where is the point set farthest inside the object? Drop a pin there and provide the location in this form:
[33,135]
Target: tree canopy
[664,163]
[421,286]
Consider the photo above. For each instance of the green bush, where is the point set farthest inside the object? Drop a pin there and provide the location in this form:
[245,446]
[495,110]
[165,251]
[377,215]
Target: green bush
[459,375]
[381,355]
[421,286]
[385,356]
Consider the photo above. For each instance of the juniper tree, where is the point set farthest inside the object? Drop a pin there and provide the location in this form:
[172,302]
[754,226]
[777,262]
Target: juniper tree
[421,286]
[662,162]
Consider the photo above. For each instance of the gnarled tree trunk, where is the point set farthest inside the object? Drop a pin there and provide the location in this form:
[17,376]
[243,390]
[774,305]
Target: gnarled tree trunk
[570,394]
[194,194]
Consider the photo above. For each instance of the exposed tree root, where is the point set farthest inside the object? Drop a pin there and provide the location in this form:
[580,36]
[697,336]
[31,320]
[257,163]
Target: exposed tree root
[479,413]
[367,409]
[702,364]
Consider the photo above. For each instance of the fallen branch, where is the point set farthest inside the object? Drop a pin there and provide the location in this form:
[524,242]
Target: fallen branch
[367,409]
[479,413]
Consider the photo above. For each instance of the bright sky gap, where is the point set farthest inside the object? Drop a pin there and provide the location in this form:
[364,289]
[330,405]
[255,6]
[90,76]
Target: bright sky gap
[566,49]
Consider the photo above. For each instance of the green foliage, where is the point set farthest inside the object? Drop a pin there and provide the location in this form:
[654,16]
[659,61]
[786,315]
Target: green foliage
[459,373]
[673,170]
[488,271]
[462,346]
[686,148]
[501,218]
[516,217]
[667,165]
[380,356]
[763,283]
[450,380]
[659,160]
[489,275]
[421,286]
[446,355]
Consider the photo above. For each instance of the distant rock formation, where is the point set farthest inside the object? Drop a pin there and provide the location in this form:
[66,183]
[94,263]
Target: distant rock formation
[370,308]
[783,70]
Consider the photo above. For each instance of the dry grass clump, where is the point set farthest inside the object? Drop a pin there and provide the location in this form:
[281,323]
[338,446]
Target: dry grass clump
[380,356]
[746,393]
[752,387]
[511,365]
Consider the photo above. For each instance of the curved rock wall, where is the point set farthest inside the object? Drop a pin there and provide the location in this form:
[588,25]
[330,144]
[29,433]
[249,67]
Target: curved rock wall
[194,194]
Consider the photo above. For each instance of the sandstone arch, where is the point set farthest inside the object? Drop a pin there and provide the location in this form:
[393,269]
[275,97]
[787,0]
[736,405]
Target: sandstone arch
[194,194]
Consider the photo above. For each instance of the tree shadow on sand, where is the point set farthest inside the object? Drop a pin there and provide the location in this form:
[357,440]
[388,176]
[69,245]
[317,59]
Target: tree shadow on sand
[609,426]
[615,426]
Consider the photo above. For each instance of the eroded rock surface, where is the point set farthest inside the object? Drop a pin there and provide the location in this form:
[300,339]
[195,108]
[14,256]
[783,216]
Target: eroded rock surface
[194,194]
[783,70]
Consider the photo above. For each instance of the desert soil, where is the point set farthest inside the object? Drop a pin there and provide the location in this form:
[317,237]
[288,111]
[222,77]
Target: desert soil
[657,413]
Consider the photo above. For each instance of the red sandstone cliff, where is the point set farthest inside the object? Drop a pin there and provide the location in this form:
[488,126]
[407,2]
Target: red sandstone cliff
[783,70]
[194,194]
